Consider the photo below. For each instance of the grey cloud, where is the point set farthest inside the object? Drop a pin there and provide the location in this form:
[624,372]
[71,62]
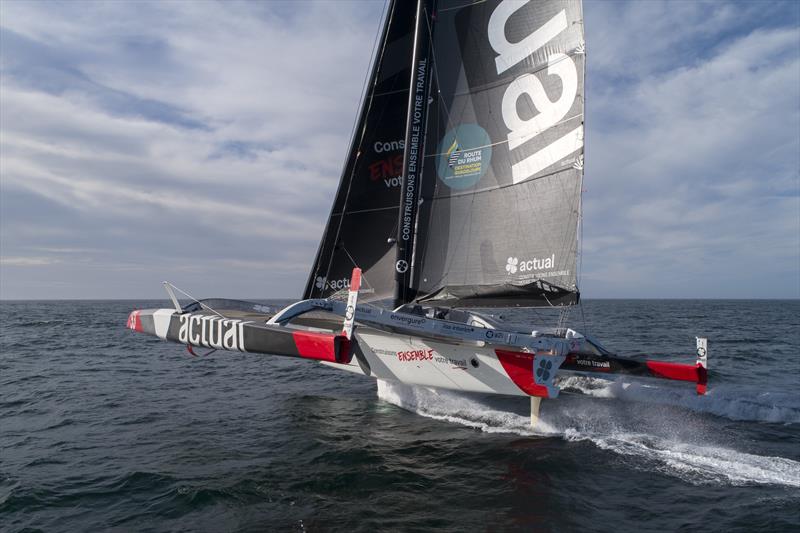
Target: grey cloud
[45,67]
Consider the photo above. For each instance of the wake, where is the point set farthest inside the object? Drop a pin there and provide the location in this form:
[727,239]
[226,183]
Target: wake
[672,444]
[730,401]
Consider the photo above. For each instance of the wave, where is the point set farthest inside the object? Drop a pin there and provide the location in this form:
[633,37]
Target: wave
[730,401]
[665,446]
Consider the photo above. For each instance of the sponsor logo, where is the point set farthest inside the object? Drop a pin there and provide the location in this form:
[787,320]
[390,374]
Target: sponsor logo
[388,171]
[456,327]
[408,320]
[415,355]
[391,146]
[513,264]
[211,332]
[603,365]
[322,283]
[459,364]
[543,370]
[550,109]
[501,335]
[453,153]
[464,156]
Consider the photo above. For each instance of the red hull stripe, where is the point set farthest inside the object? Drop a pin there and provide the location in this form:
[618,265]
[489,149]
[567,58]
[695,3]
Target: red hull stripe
[519,367]
[318,346]
[674,371]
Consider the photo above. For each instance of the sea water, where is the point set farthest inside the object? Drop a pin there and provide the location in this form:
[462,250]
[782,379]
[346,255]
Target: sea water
[105,429]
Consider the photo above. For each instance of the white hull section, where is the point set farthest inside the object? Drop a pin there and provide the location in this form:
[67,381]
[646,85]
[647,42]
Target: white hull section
[411,360]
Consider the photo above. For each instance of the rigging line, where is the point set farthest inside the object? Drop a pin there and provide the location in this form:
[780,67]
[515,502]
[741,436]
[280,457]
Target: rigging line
[547,300]
[357,211]
[437,78]
[436,73]
[470,4]
[196,300]
[363,275]
[378,61]
[389,93]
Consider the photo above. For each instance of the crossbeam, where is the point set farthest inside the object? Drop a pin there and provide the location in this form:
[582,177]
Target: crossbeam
[427,327]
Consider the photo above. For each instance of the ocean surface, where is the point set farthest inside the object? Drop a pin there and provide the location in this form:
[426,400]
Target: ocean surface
[103,429]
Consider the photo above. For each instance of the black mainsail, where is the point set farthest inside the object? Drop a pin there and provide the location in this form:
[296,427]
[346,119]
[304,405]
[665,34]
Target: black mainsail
[362,226]
[497,196]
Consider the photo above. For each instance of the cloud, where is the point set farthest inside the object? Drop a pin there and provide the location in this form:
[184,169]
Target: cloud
[27,261]
[692,166]
[174,137]
[202,142]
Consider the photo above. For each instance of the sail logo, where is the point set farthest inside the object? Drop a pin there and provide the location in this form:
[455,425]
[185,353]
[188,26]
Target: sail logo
[464,156]
[514,265]
[389,146]
[323,283]
[212,332]
[453,153]
[387,170]
[511,265]
[549,113]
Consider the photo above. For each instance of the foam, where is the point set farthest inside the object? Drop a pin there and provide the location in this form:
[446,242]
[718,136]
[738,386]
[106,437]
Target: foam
[662,447]
[730,401]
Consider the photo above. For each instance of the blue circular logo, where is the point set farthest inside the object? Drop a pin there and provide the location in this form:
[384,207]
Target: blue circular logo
[464,156]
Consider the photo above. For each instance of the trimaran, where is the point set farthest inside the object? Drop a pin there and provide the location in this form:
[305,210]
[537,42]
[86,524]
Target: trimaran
[461,191]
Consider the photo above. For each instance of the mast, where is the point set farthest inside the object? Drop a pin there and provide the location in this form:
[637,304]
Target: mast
[413,158]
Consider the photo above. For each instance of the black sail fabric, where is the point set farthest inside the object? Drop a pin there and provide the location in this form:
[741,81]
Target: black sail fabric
[501,183]
[363,222]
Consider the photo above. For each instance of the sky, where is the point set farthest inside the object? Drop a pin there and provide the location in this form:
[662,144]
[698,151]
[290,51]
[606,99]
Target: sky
[202,142]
